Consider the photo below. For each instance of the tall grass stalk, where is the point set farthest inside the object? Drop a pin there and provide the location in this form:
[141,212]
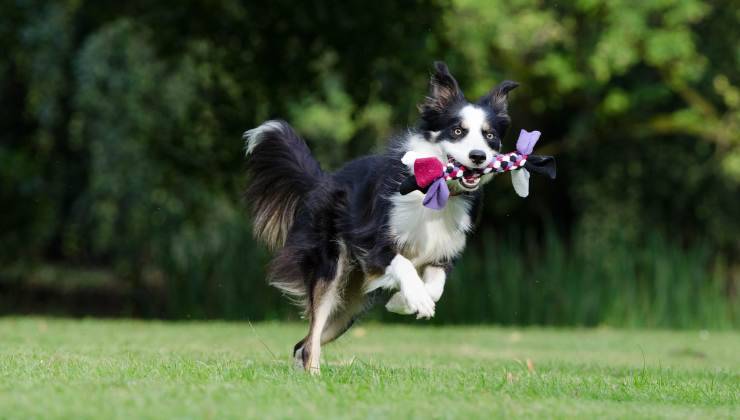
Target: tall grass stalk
[656,283]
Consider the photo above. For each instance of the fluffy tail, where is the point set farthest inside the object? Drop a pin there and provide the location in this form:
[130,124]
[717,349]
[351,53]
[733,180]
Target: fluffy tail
[282,171]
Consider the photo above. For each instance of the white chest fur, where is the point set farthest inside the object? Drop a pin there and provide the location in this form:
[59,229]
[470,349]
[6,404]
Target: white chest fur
[425,235]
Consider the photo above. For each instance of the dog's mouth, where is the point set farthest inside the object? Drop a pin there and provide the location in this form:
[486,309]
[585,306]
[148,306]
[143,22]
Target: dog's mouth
[470,183]
[470,178]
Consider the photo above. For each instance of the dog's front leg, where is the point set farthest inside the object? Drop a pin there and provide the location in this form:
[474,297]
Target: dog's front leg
[434,281]
[413,297]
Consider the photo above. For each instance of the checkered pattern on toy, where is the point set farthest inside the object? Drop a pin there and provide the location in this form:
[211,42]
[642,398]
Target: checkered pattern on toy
[501,163]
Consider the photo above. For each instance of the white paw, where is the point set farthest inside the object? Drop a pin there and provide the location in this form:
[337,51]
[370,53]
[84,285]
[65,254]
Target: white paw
[417,298]
[434,281]
[397,304]
[435,290]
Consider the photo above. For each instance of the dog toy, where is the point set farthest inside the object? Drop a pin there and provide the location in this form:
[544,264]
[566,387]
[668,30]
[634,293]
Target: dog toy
[433,178]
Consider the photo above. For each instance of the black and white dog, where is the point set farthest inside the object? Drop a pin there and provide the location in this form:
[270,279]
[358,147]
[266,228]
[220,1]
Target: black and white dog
[340,236]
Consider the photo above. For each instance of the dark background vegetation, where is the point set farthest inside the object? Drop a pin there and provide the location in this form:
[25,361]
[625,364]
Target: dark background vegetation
[122,164]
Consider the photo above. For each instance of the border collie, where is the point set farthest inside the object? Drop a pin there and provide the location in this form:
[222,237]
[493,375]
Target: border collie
[341,236]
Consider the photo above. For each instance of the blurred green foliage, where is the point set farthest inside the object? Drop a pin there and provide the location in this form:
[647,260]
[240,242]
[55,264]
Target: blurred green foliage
[120,145]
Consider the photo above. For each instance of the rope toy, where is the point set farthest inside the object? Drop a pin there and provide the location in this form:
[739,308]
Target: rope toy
[433,178]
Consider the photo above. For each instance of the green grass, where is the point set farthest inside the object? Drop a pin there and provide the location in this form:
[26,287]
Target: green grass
[130,369]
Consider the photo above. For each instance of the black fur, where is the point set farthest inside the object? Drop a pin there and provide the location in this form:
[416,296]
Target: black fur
[350,205]
[282,171]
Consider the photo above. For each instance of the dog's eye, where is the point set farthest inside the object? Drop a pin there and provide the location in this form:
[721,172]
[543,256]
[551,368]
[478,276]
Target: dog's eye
[457,131]
[489,136]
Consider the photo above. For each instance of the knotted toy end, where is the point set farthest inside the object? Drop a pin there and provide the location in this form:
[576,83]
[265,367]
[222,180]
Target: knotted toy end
[427,170]
[526,141]
[438,194]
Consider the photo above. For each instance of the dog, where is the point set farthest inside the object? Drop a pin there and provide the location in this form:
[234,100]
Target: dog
[339,238]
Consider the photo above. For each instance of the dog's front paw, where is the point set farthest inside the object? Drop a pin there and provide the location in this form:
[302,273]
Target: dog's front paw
[418,300]
[398,305]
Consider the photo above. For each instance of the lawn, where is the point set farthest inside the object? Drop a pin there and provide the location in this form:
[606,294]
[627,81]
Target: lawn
[58,368]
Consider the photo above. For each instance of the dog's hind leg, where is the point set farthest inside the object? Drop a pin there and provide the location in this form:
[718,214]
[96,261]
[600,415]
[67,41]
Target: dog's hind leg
[354,303]
[298,361]
[324,301]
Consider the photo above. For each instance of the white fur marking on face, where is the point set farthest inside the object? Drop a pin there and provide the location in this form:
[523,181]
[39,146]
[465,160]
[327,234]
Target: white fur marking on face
[474,120]
[255,136]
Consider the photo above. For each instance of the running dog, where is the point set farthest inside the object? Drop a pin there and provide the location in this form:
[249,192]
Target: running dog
[341,237]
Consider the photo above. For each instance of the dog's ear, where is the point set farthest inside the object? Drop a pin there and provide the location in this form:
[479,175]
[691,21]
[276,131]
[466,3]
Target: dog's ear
[443,90]
[498,97]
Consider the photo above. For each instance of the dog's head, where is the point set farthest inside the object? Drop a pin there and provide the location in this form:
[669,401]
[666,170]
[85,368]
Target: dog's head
[468,132]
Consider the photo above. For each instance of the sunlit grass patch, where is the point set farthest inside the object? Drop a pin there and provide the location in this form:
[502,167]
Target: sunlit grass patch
[130,369]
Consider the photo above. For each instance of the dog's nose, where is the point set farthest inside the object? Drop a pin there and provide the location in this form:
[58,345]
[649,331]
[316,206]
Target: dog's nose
[477,156]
